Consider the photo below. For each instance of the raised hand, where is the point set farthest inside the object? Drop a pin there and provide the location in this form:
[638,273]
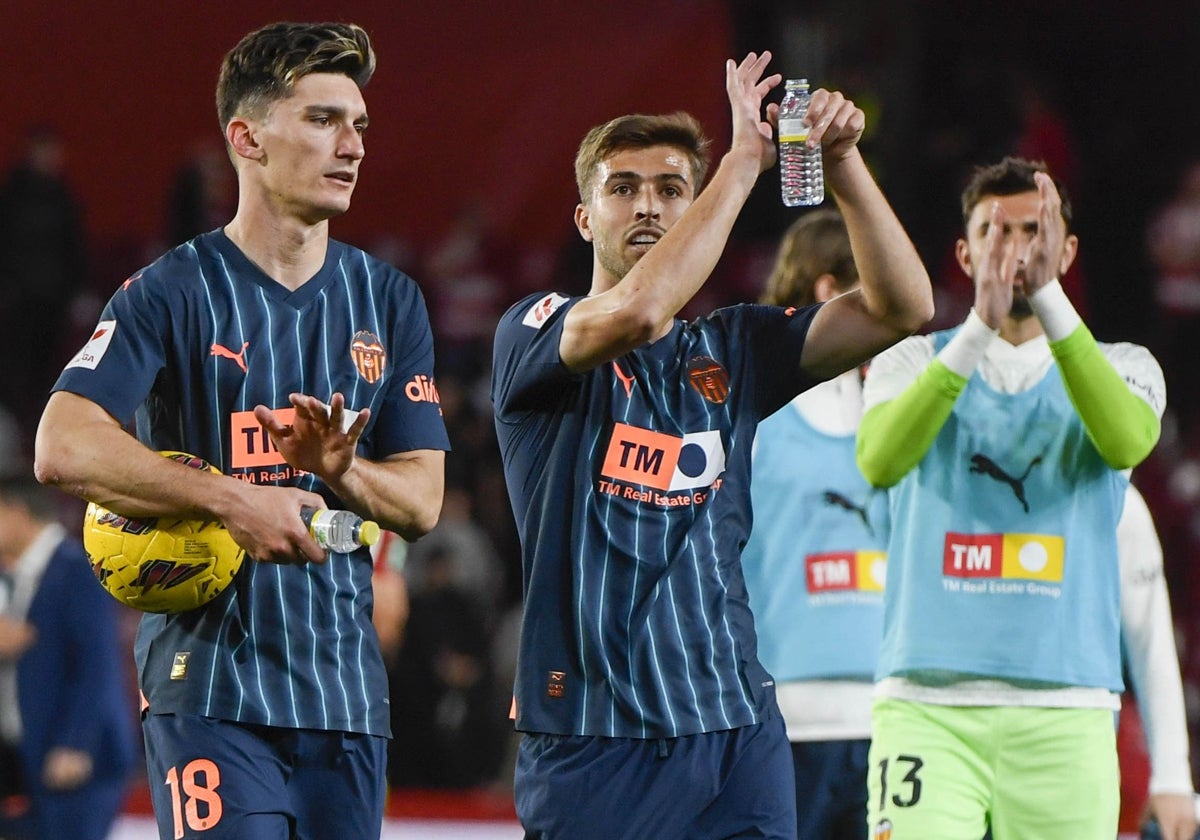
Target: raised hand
[994,277]
[747,88]
[320,439]
[836,124]
[1039,264]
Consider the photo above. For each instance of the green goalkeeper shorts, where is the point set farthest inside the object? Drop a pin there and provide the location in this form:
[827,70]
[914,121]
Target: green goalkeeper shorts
[949,772]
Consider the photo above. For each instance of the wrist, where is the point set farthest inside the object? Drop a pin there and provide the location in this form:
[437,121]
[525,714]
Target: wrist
[1054,310]
[963,353]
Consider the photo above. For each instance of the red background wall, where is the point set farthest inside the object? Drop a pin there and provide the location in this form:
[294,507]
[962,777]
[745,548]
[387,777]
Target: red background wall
[472,101]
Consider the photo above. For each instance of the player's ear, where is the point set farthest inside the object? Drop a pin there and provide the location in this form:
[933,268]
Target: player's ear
[1070,249]
[825,288]
[243,139]
[583,222]
[962,254]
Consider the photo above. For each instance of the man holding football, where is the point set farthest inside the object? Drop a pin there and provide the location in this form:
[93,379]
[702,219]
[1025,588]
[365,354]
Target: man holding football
[281,356]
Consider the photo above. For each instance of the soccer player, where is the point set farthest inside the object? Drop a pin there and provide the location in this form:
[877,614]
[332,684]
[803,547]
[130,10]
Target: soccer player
[303,367]
[626,438]
[815,563]
[1007,443]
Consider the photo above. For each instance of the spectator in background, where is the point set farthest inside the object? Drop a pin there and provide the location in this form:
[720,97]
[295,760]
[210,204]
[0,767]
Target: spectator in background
[64,701]
[464,553]
[466,292]
[43,265]
[1173,243]
[448,717]
[203,194]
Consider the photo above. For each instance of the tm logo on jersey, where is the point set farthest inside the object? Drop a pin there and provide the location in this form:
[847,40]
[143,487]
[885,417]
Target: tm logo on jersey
[252,452]
[846,571]
[1015,557]
[662,462]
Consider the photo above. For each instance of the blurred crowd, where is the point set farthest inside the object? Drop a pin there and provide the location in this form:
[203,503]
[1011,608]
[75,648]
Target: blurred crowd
[449,602]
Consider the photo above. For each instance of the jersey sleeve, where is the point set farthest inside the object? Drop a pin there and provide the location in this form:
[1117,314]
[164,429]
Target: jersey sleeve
[1120,407]
[410,416]
[774,338]
[1148,642]
[527,370]
[118,364]
[1141,372]
[893,370]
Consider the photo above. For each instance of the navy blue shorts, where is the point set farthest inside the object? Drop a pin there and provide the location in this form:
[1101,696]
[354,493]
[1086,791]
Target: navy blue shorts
[213,779]
[831,789]
[736,783]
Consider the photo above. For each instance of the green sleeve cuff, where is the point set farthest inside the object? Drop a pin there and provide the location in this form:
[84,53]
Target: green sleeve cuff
[894,436]
[1123,427]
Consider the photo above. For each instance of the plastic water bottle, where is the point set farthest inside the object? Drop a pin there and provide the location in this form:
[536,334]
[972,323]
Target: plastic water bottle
[340,531]
[801,175]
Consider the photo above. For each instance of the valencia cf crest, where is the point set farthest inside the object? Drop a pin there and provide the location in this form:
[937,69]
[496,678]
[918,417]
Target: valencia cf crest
[709,378]
[370,358]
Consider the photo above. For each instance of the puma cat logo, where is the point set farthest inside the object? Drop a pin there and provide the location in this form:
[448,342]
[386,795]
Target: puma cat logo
[225,352]
[984,464]
[833,497]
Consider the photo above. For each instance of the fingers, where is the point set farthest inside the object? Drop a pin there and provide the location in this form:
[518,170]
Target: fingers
[752,66]
[993,275]
[1045,247]
[747,75]
[266,418]
[331,415]
[1001,253]
[834,119]
[1051,201]
[994,241]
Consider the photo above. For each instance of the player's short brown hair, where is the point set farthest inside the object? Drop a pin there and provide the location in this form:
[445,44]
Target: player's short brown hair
[1011,176]
[640,131]
[267,63]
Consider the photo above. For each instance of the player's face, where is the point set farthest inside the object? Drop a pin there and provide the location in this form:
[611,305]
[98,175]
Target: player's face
[313,145]
[637,195]
[1020,227]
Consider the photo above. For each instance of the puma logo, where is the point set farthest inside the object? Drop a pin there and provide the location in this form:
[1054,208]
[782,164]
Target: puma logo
[627,381]
[984,464]
[833,497]
[225,352]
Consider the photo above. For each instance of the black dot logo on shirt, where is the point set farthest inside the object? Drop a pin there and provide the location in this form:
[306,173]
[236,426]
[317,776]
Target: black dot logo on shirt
[692,460]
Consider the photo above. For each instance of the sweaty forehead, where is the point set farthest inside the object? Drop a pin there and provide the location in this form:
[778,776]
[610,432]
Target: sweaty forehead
[648,162]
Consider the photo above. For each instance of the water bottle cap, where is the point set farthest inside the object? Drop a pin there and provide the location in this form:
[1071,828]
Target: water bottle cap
[368,533]
[796,84]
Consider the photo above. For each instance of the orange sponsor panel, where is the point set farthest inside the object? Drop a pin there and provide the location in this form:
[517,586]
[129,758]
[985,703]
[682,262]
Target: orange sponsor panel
[641,456]
[249,444]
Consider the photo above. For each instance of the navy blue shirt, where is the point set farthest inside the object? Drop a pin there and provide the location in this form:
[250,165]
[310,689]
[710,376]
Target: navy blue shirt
[190,345]
[630,484]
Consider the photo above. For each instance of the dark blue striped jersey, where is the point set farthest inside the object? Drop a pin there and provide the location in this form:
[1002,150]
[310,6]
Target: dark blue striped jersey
[188,347]
[630,485]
